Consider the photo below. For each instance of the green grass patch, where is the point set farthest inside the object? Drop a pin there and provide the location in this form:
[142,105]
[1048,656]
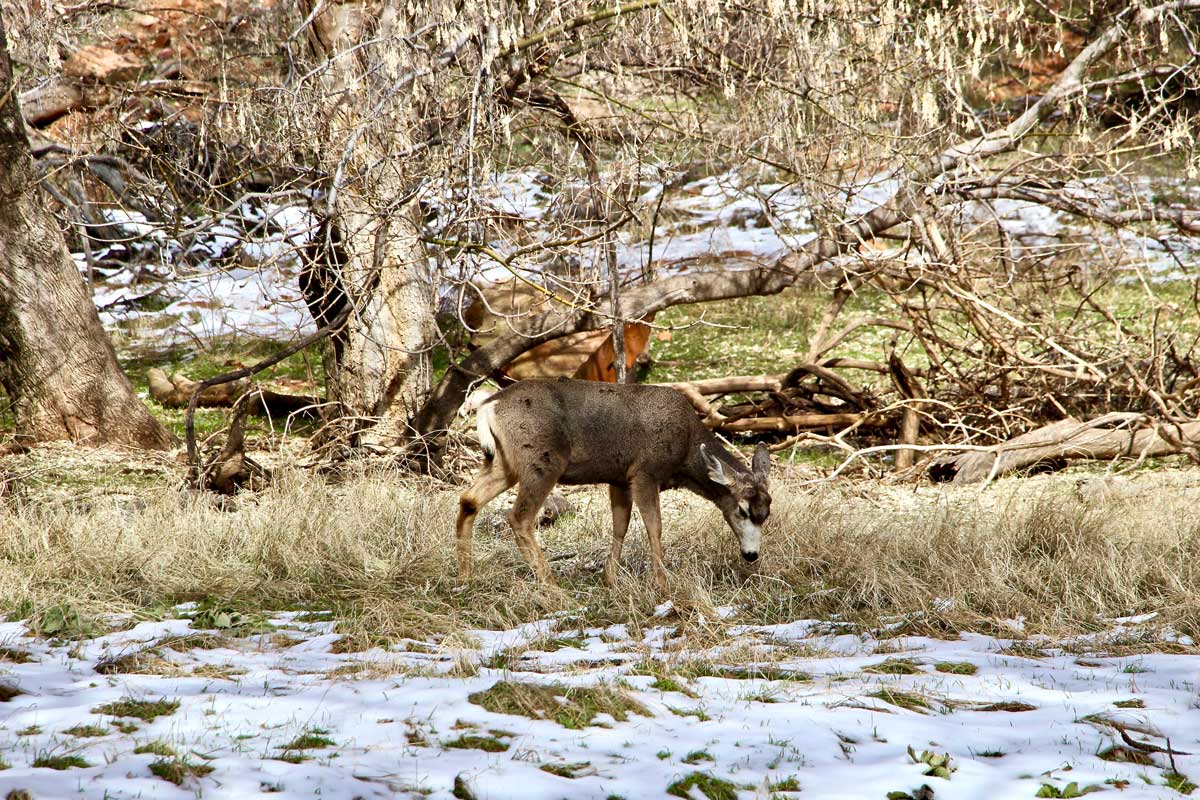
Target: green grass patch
[699,668]
[60,762]
[566,770]
[712,787]
[558,643]
[696,756]
[788,784]
[157,747]
[1070,790]
[1135,703]
[310,740]
[764,695]
[145,710]
[86,731]
[215,615]
[757,334]
[668,684]
[1179,782]
[894,666]
[177,770]
[470,741]
[907,700]
[32,730]
[698,713]
[290,757]
[571,707]
[63,621]
[956,667]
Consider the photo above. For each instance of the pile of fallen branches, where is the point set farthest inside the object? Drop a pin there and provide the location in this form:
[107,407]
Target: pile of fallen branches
[810,397]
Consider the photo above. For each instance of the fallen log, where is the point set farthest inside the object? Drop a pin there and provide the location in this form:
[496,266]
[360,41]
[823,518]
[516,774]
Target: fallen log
[791,423]
[1106,437]
[45,104]
[731,385]
[176,391]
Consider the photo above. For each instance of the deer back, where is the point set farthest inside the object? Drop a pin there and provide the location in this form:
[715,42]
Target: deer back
[606,431]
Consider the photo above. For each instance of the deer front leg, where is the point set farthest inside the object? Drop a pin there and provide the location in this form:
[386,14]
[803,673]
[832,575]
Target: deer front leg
[645,494]
[491,481]
[622,506]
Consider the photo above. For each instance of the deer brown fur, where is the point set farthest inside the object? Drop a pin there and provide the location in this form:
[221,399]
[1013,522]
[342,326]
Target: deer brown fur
[637,439]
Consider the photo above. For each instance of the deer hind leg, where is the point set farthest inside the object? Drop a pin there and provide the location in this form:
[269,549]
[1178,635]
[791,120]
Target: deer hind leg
[645,494]
[535,485]
[490,482]
[622,507]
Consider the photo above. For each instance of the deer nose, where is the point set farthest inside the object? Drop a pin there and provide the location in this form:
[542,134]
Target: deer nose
[750,556]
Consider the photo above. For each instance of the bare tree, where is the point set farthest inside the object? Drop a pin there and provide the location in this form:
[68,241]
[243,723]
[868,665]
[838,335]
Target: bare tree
[369,253]
[886,146]
[56,362]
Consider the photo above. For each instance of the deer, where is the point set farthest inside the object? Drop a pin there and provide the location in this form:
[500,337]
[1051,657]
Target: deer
[639,439]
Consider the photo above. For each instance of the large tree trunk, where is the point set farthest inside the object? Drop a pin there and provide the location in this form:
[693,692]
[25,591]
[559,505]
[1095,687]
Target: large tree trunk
[370,253]
[56,362]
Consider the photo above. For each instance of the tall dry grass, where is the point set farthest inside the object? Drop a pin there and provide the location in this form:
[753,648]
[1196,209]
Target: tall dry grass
[377,550]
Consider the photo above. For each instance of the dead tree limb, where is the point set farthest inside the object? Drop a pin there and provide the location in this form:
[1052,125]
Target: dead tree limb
[1106,437]
[790,423]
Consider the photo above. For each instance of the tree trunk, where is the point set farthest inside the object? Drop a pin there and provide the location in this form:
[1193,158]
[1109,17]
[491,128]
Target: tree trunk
[56,362]
[370,254]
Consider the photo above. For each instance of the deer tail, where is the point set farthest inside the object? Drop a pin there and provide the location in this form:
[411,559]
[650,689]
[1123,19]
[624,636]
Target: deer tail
[485,421]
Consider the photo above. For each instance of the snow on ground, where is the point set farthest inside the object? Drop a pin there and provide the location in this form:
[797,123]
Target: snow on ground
[829,722]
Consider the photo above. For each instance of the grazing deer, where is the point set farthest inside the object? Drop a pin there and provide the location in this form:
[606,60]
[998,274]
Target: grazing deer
[637,439]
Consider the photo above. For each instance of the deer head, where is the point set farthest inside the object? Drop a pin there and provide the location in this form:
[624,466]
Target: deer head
[744,498]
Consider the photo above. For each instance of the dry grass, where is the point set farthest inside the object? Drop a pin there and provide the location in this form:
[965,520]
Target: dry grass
[376,550]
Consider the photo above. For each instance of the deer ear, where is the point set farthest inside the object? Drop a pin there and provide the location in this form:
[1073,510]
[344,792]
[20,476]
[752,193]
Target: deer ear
[716,470]
[761,465]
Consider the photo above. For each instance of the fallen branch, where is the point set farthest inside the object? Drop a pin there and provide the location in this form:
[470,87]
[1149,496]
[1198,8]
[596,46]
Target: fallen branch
[176,391]
[790,423]
[45,104]
[1070,439]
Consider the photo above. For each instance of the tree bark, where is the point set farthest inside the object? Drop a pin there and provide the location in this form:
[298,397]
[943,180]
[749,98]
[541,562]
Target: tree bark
[56,362]
[371,256]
